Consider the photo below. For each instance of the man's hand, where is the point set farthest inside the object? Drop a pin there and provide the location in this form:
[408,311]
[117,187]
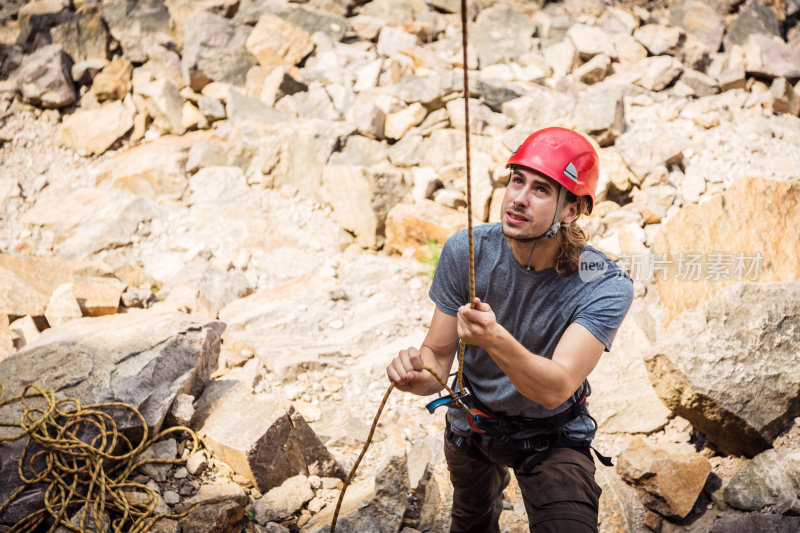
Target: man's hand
[405,370]
[477,326]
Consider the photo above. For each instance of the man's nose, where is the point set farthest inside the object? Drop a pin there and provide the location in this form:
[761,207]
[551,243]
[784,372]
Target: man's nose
[519,197]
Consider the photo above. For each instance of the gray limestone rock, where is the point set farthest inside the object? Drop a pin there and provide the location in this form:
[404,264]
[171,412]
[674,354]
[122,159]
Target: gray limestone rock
[757,523]
[82,38]
[730,367]
[45,78]
[771,478]
[601,113]
[754,17]
[214,50]
[136,25]
[501,33]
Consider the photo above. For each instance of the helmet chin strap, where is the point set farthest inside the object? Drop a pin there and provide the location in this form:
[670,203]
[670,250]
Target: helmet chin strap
[554,227]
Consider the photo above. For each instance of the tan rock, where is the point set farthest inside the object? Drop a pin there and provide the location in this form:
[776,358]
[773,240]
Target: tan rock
[594,70]
[93,131]
[398,123]
[623,400]
[730,237]
[361,198]
[27,282]
[415,225]
[275,42]
[114,81]
[496,205]
[152,169]
[192,118]
[669,480]
[6,345]
[23,331]
[165,104]
[63,306]
[629,50]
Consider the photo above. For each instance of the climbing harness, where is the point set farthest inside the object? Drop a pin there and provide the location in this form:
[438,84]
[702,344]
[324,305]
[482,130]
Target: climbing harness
[580,174]
[85,461]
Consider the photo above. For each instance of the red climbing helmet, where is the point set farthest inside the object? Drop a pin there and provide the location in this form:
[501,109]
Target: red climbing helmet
[563,155]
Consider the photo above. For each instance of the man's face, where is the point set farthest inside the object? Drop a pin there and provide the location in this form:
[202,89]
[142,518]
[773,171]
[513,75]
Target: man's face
[529,204]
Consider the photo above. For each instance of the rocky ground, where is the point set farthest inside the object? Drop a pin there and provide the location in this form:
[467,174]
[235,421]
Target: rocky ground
[285,171]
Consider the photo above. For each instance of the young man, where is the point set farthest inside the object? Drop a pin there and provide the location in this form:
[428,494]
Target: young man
[547,307]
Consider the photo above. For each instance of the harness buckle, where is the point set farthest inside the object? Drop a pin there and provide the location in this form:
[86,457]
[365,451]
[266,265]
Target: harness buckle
[449,401]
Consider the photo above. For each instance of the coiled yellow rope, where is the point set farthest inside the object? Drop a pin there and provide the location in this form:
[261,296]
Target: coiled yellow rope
[85,462]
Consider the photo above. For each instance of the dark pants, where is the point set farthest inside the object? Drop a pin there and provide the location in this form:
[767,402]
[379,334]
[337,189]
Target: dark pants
[560,493]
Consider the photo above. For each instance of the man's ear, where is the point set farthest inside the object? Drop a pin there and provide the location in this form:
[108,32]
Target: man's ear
[570,213]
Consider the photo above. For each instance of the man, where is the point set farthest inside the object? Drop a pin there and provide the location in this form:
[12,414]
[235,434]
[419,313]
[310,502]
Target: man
[547,307]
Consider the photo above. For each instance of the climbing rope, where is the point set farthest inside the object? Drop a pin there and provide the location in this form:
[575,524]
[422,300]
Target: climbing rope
[85,462]
[462,346]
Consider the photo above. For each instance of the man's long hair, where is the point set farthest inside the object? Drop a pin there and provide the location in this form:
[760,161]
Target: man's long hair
[572,239]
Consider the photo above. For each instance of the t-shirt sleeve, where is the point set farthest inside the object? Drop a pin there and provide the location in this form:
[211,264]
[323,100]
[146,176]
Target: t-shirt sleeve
[449,289]
[603,310]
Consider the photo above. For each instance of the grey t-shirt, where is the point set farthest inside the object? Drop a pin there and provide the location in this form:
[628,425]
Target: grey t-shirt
[535,307]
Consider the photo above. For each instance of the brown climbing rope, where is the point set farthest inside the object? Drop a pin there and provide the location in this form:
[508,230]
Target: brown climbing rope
[84,461]
[461,348]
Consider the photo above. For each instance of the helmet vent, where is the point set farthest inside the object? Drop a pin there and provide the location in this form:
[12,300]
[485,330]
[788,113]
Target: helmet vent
[571,172]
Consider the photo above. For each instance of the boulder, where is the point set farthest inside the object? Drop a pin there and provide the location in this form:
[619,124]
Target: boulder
[647,150]
[92,219]
[771,478]
[704,369]
[659,39]
[136,25]
[93,131]
[114,81]
[164,104]
[283,501]
[594,70]
[756,523]
[590,41]
[297,156]
[206,154]
[219,286]
[361,198]
[361,151]
[415,225]
[623,400]
[392,41]
[374,504]
[275,42]
[260,436]
[754,18]
[82,38]
[768,55]
[29,282]
[699,20]
[784,98]
[500,34]
[669,481]
[734,225]
[398,123]
[214,50]
[223,517]
[141,358]
[151,169]
[657,72]
[601,113]
[45,78]
[620,510]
